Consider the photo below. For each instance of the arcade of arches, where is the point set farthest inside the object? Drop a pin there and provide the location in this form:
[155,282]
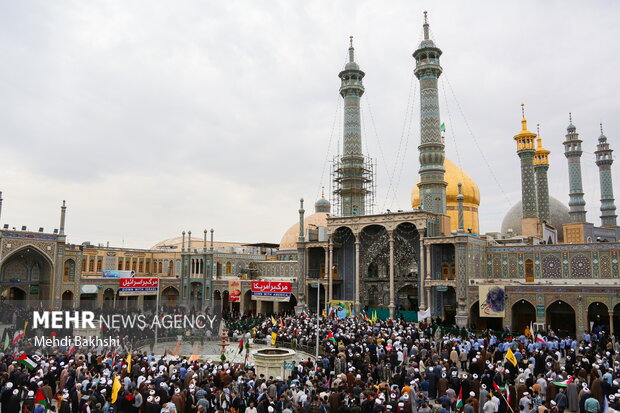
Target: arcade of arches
[559,316]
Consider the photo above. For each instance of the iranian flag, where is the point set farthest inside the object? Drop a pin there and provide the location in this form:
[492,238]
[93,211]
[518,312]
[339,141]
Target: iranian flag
[540,339]
[330,337]
[240,346]
[305,313]
[39,398]
[459,400]
[27,361]
[73,351]
[18,336]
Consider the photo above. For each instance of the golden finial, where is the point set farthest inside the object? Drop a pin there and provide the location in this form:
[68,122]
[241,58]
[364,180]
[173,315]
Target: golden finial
[523,110]
[425,17]
[538,129]
[322,192]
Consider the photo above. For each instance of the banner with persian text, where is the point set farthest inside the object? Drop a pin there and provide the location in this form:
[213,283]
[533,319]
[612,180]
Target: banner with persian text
[271,291]
[138,286]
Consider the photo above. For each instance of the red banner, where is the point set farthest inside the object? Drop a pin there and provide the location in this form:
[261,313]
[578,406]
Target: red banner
[138,286]
[271,290]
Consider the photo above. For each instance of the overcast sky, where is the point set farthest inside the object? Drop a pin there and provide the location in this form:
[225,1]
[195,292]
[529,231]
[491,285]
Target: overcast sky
[154,117]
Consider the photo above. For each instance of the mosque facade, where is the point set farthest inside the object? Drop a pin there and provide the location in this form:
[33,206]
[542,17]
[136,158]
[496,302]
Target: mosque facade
[547,265]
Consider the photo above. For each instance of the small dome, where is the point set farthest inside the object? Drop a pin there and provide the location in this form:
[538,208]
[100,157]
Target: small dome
[351,66]
[558,211]
[322,205]
[289,239]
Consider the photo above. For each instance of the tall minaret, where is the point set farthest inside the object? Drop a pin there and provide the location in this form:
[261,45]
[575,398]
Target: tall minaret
[432,184]
[351,174]
[541,166]
[526,151]
[572,151]
[603,161]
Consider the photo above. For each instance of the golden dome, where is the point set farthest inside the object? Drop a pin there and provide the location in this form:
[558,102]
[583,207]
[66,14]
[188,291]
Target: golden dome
[289,239]
[454,174]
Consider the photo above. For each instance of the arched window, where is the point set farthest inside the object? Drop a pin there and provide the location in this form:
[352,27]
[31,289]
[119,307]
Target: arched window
[171,268]
[529,271]
[35,272]
[161,267]
[228,268]
[69,271]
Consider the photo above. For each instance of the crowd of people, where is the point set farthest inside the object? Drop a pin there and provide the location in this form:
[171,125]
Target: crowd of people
[365,366]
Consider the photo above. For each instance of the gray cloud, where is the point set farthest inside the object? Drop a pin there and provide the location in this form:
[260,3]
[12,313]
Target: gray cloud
[154,117]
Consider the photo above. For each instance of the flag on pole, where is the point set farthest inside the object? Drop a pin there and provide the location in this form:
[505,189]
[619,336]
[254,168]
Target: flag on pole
[26,361]
[273,321]
[281,324]
[540,339]
[274,337]
[459,400]
[443,127]
[6,341]
[39,398]
[71,351]
[240,346]
[511,357]
[374,317]
[18,336]
[305,313]
[116,387]
[129,362]
[423,315]
[508,395]
[330,337]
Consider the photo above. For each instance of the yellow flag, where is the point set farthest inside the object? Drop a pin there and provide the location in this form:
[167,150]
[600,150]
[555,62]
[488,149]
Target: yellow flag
[511,357]
[273,321]
[274,336]
[129,362]
[116,386]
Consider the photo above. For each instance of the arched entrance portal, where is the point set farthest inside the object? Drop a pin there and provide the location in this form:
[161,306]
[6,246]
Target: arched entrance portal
[217,302]
[169,296]
[249,305]
[289,306]
[67,299]
[108,298]
[30,271]
[15,294]
[407,298]
[523,314]
[598,317]
[561,318]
